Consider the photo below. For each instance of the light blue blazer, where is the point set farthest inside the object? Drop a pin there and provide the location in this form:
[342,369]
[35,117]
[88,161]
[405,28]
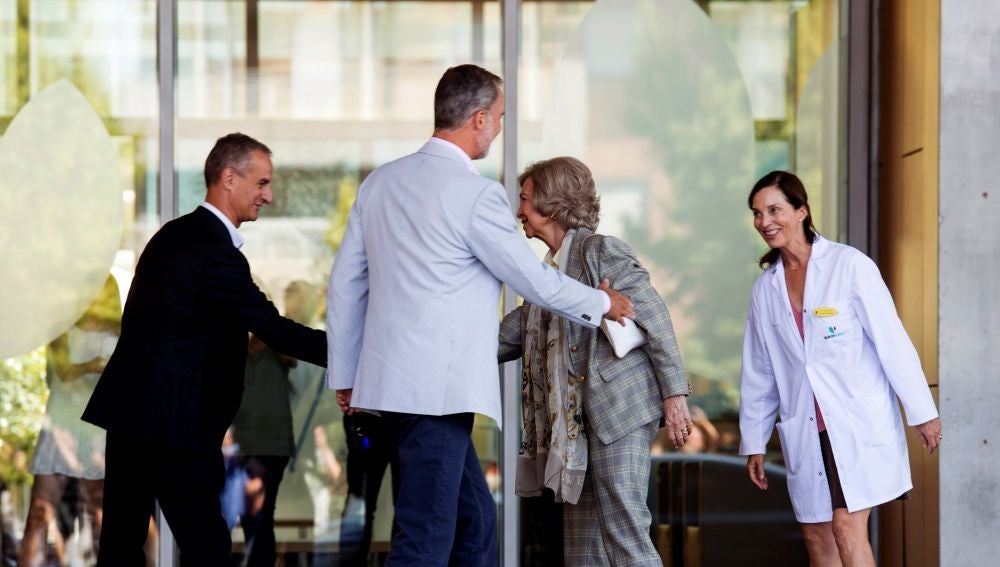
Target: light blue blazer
[414,295]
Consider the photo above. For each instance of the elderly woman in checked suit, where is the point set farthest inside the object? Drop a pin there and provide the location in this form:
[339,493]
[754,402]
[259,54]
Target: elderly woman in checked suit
[589,416]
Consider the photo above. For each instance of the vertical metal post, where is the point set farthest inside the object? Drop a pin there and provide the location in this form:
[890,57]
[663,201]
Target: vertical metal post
[478,33]
[166,38]
[166,68]
[253,57]
[862,129]
[510,441]
[862,149]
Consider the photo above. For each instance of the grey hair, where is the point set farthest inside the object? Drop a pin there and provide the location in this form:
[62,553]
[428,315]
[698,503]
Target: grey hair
[232,150]
[462,91]
[565,191]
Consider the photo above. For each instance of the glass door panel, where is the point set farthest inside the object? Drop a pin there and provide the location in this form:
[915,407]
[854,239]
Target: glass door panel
[78,200]
[678,107]
[335,88]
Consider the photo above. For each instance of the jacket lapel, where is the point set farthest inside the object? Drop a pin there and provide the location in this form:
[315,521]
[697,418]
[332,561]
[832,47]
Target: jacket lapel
[581,361]
[577,254]
[781,308]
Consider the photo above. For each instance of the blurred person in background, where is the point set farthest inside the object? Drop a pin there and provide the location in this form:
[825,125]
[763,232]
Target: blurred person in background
[369,454]
[262,438]
[68,461]
[703,436]
[8,543]
[262,431]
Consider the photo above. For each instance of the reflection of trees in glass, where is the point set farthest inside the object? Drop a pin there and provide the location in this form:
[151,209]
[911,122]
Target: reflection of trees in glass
[23,393]
[346,193]
[22,403]
[301,191]
[692,106]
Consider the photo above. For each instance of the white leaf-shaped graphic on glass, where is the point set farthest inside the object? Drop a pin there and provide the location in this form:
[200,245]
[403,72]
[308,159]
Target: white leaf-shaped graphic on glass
[61,216]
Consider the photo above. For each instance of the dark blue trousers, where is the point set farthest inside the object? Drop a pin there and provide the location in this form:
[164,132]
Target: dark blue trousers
[445,514]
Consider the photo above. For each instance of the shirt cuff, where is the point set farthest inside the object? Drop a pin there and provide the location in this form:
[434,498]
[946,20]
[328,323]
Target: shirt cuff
[607,301]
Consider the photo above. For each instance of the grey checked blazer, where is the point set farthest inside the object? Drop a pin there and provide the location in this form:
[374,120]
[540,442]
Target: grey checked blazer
[621,394]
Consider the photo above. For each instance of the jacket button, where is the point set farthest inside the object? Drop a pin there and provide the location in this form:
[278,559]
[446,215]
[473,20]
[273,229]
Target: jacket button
[574,348]
[581,377]
[810,419]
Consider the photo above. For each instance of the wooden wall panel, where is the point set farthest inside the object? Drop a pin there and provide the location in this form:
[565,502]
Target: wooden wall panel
[908,248]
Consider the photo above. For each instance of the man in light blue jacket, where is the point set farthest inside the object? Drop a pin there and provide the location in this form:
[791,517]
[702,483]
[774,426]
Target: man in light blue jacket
[412,318]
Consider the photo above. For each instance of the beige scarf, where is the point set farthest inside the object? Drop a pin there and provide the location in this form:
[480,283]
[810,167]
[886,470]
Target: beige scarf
[554,451]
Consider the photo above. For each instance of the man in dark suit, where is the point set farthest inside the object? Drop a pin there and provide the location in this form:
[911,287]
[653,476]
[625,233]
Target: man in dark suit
[175,381]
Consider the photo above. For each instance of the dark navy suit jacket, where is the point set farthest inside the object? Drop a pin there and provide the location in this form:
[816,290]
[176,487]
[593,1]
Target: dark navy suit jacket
[176,376]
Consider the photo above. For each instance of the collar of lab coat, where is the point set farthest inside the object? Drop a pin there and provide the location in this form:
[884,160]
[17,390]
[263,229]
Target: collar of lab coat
[817,258]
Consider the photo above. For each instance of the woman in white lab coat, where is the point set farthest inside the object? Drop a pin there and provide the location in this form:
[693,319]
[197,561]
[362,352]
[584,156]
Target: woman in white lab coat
[825,351]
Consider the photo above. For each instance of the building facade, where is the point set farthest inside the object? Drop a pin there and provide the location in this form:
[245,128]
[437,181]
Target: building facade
[108,109]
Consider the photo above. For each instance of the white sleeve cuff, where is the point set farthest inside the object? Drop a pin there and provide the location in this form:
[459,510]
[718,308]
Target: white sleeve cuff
[607,301]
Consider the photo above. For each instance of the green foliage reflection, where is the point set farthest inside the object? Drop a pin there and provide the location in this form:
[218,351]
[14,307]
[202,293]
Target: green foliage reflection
[686,108]
[23,395]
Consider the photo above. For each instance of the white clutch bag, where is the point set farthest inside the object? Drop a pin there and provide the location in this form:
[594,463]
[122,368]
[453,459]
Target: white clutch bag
[623,339]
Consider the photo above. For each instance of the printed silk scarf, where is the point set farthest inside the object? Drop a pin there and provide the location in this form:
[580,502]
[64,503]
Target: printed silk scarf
[554,450]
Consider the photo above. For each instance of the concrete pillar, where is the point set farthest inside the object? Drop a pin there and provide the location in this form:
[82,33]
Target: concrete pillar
[969,282]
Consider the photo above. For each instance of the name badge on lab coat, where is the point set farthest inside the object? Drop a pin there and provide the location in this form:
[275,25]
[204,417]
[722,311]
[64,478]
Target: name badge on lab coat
[825,312]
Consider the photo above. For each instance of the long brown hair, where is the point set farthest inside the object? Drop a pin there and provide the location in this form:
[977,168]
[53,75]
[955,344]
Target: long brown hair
[795,193]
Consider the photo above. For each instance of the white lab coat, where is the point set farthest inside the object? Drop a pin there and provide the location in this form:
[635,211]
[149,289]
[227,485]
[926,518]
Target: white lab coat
[856,359]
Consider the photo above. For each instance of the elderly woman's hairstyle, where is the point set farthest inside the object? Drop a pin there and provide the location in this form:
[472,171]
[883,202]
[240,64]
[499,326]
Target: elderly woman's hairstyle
[795,193]
[564,191]
[462,91]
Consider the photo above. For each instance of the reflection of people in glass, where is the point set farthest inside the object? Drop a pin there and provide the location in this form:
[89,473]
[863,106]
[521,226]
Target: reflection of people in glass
[703,437]
[316,475]
[825,351]
[262,430]
[589,416]
[8,549]
[369,453]
[324,453]
[69,453]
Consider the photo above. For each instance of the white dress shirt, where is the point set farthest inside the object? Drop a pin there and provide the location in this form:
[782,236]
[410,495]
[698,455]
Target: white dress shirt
[233,233]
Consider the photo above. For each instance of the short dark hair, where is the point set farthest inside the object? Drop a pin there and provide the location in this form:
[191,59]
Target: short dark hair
[795,193]
[232,150]
[463,90]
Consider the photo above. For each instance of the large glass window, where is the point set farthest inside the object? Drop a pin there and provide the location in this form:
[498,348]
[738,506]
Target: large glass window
[678,107]
[78,166]
[335,89]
